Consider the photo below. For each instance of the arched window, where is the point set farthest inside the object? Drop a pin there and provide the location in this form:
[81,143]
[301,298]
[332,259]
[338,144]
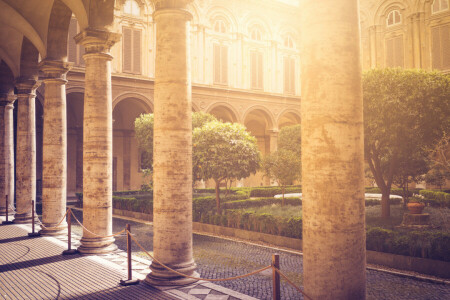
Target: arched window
[288,42]
[440,47]
[256,35]
[131,7]
[220,26]
[256,69]
[439,5]
[394,18]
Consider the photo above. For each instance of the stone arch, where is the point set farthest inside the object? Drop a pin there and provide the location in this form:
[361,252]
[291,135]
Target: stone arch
[224,111]
[263,111]
[195,107]
[194,10]
[288,117]
[58,31]
[10,17]
[142,100]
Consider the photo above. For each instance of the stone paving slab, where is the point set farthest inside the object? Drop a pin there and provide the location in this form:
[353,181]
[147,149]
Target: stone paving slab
[33,268]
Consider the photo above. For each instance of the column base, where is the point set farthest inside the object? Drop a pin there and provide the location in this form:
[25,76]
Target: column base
[51,230]
[3,212]
[160,276]
[23,218]
[92,246]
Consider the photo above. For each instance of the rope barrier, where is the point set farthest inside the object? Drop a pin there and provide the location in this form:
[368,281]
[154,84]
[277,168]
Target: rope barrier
[291,283]
[62,219]
[196,278]
[97,235]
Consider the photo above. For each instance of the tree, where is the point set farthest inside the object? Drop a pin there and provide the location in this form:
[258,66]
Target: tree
[143,128]
[437,176]
[283,166]
[224,151]
[405,111]
[290,138]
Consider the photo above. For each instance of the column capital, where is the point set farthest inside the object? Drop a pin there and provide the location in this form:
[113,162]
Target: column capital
[27,86]
[7,99]
[97,41]
[171,4]
[54,70]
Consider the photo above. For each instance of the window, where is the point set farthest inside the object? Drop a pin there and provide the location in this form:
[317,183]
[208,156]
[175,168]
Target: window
[439,5]
[440,48]
[132,8]
[256,66]
[131,41]
[394,52]
[220,26]
[288,42]
[256,35]
[74,52]
[394,18]
[220,65]
[289,75]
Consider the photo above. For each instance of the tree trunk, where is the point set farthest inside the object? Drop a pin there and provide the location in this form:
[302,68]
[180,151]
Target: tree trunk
[217,196]
[385,207]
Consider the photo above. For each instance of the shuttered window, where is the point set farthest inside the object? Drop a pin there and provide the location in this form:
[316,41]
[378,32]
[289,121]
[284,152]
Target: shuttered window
[131,58]
[441,47]
[256,67]
[395,52]
[220,65]
[74,52]
[289,75]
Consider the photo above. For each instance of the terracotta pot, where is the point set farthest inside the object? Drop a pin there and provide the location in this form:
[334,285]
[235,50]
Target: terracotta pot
[415,208]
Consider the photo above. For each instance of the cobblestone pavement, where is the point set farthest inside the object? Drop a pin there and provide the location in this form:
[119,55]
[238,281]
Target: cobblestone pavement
[220,258]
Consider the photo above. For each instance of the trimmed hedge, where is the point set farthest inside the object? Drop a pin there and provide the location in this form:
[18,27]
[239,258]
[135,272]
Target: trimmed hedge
[425,244]
[273,190]
[435,198]
[142,205]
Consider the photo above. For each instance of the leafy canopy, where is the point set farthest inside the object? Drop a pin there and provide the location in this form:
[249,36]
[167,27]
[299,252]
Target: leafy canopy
[405,111]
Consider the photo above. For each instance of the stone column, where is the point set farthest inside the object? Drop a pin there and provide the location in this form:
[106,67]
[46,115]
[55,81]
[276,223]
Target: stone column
[273,136]
[172,217]
[373,46]
[54,166]
[6,152]
[97,141]
[334,257]
[26,150]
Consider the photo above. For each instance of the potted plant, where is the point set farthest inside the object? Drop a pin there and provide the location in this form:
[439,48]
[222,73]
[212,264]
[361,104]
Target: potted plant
[415,205]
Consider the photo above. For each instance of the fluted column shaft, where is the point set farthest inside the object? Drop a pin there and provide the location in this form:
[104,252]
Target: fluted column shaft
[334,260]
[172,207]
[26,150]
[97,142]
[54,169]
[6,152]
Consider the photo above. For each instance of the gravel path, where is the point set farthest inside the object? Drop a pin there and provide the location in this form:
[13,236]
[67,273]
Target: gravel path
[220,258]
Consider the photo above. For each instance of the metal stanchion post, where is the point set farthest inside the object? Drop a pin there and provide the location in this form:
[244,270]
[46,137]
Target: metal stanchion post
[130,280]
[276,277]
[69,250]
[33,220]
[7,212]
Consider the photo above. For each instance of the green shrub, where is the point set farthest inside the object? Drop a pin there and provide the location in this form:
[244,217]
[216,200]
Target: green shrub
[436,198]
[273,190]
